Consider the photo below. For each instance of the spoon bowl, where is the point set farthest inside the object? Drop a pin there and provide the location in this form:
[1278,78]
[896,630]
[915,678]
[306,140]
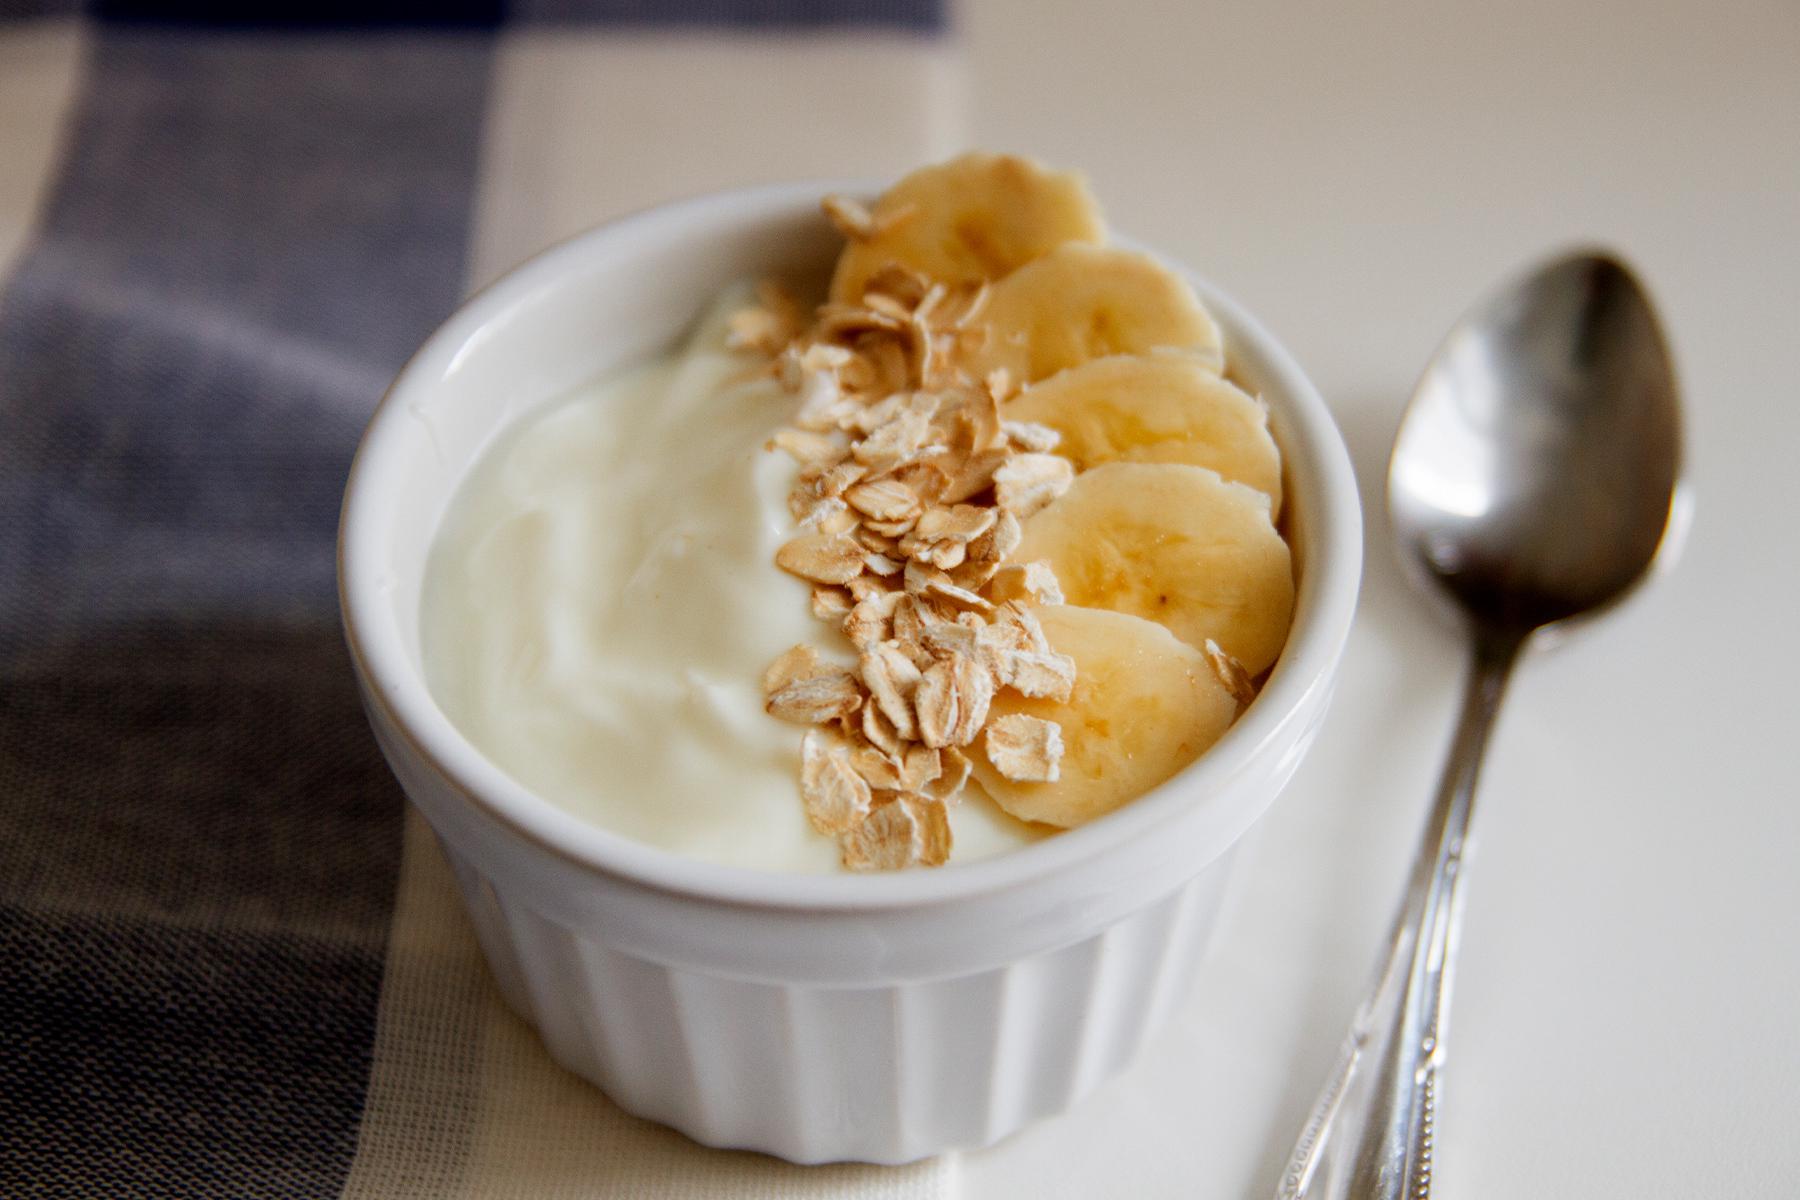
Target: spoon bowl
[1534,475]
[1533,483]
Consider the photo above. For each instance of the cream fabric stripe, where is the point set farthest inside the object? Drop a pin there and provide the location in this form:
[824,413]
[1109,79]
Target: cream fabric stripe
[463,1100]
[425,1084]
[587,125]
[40,65]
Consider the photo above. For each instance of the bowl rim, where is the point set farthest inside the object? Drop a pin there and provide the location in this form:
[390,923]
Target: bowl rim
[394,686]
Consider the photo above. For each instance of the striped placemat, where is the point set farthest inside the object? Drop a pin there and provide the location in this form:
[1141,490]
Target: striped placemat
[230,964]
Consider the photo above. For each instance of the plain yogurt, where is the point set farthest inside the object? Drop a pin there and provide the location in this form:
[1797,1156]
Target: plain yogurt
[602,599]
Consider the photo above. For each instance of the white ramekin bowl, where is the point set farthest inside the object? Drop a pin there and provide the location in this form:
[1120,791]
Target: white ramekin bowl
[881,1018]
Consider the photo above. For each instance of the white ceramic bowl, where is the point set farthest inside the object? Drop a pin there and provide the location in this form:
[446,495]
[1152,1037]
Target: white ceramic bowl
[881,1018]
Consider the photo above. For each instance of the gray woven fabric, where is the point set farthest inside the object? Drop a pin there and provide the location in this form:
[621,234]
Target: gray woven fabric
[198,842]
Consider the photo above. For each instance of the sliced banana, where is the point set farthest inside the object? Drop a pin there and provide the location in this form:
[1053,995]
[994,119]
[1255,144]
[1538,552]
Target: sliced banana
[1082,302]
[977,217]
[1156,408]
[1177,545]
[1144,706]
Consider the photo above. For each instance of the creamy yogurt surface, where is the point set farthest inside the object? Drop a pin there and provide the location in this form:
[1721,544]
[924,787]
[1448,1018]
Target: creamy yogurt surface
[602,600]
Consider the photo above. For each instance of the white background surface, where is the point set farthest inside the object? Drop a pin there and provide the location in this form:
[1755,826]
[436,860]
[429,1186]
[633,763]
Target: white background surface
[1627,1017]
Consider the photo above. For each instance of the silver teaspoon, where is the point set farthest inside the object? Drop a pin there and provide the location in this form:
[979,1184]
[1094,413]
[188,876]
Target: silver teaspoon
[1533,482]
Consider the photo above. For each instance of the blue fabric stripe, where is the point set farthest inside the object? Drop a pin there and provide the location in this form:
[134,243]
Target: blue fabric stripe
[156,1067]
[303,14]
[919,16]
[198,842]
[248,237]
[25,10]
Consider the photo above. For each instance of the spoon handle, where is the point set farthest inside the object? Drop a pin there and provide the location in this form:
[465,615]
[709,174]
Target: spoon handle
[1380,1137]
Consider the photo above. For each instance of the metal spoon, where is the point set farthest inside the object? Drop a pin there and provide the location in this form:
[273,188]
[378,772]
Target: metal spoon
[1533,482]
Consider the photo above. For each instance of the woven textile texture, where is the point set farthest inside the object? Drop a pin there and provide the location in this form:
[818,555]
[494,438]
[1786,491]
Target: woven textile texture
[242,231]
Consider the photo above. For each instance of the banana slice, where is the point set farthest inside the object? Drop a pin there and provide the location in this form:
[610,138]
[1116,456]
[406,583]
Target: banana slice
[1156,408]
[1082,302]
[1177,545]
[980,216]
[1144,706]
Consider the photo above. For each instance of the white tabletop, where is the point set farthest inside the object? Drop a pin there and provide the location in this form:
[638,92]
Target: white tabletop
[1627,1013]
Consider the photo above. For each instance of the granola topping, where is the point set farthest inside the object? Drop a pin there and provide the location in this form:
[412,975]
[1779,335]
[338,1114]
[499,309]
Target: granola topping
[1025,748]
[907,500]
[1231,673]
